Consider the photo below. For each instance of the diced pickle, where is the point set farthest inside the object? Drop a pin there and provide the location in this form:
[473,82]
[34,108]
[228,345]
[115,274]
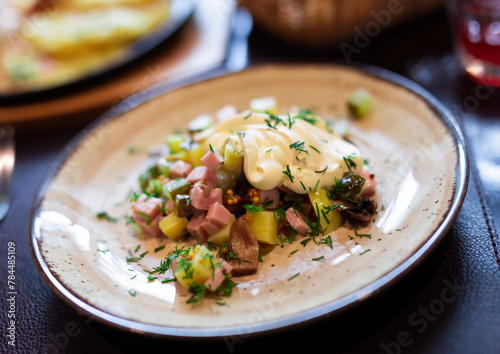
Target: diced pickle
[176,186]
[360,103]
[329,217]
[163,166]
[352,186]
[181,205]
[155,187]
[200,123]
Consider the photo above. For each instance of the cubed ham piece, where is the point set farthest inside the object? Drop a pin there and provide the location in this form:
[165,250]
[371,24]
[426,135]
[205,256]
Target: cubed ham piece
[218,214]
[370,184]
[219,276]
[150,228]
[180,169]
[212,159]
[272,195]
[203,174]
[147,206]
[210,227]
[169,207]
[297,220]
[202,196]
[195,229]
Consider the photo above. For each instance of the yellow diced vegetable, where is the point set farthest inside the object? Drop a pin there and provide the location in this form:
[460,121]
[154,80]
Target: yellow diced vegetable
[173,226]
[223,234]
[263,225]
[233,162]
[174,142]
[330,220]
[194,156]
[197,266]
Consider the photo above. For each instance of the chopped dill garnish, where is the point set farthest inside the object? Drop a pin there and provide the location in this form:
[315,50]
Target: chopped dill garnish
[323,170]
[211,148]
[304,242]
[299,146]
[132,293]
[293,252]
[133,259]
[151,278]
[248,115]
[367,250]
[361,235]
[104,215]
[253,207]
[293,276]
[303,185]
[327,241]
[349,162]
[133,277]
[167,280]
[288,173]
[158,249]
[102,251]
[312,147]
[260,256]
[322,258]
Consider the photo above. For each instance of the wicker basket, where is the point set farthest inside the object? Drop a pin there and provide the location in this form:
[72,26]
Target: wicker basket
[321,22]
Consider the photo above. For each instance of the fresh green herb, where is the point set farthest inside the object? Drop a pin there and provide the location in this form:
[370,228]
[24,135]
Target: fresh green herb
[324,215]
[102,251]
[362,253]
[304,242]
[198,291]
[253,207]
[134,197]
[305,115]
[167,280]
[211,148]
[327,209]
[350,237]
[316,186]
[211,246]
[303,185]
[145,217]
[323,170]
[366,162]
[133,259]
[383,207]
[129,220]
[150,278]
[132,293]
[284,240]
[288,173]
[267,203]
[299,146]
[143,254]
[327,241]
[260,255]
[158,249]
[241,133]
[273,121]
[293,276]
[374,220]
[268,150]
[399,229]
[361,235]
[239,152]
[349,162]
[104,215]
[133,277]
[248,115]
[322,258]
[220,303]
[279,214]
[137,248]
[312,147]
[293,252]
[290,121]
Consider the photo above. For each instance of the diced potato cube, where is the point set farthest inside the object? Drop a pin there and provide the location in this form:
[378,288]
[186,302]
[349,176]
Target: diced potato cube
[196,267]
[264,226]
[194,155]
[173,226]
[223,234]
[330,220]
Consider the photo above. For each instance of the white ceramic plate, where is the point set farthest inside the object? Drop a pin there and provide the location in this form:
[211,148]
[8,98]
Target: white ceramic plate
[413,145]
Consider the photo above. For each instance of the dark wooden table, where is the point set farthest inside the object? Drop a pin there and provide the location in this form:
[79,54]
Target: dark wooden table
[450,303]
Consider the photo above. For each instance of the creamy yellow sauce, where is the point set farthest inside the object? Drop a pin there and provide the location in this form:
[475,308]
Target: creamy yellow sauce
[268,152]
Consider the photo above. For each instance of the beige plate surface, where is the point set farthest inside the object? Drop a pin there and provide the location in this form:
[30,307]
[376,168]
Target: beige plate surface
[413,146]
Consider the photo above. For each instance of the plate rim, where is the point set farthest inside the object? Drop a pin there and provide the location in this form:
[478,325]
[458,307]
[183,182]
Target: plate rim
[317,313]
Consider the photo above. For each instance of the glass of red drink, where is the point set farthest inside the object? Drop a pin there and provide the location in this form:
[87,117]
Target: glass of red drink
[476,25]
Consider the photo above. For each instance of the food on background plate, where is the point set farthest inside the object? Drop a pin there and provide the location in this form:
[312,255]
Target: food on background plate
[45,43]
[248,179]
